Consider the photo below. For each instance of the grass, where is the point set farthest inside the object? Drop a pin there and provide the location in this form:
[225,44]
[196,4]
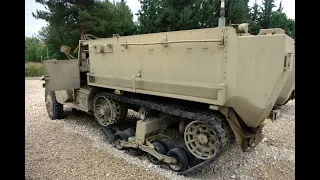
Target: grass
[33,69]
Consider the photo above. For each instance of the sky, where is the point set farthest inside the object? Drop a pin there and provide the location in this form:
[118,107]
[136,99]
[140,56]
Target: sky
[32,25]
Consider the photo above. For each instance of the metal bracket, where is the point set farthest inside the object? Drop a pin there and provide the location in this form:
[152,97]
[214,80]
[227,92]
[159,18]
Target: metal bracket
[275,114]
[125,45]
[133,81]
[221,43]
[164,41]
[106,48]
[271,31]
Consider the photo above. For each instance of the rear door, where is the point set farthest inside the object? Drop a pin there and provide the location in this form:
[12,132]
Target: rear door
[61,74]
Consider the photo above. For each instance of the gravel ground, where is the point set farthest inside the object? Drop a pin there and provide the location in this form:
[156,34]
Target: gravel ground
[75,148]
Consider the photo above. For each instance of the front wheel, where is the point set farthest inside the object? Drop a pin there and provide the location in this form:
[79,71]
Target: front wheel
[54,108]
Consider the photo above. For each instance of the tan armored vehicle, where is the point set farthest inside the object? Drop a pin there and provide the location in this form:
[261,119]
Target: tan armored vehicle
[212,85]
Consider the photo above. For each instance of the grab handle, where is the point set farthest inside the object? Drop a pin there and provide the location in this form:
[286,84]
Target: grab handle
[288,62]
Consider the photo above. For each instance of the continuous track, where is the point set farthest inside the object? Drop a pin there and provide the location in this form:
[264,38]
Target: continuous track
[214,119]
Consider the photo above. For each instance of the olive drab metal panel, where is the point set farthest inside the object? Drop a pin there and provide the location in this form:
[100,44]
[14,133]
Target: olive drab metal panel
[61,75]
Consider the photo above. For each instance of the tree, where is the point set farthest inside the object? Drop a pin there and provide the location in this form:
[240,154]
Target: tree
[161,16]
[280,8]
[280,20]
[267,6]
[168,15]
[290,31]
[263,17]
[105,19]
[33,49]
[54,37]
[237,11]
[69,20]
[255,17]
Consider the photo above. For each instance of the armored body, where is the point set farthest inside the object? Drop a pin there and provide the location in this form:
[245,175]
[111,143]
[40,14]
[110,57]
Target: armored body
[211,85]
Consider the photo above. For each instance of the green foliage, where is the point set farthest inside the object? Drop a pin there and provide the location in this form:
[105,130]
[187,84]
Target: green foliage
[33,69]
[69,21]
[33,49]
[265,16]
[255,17]
[280,20]
[266,12]
[55,37]
[168,15]
[237,11]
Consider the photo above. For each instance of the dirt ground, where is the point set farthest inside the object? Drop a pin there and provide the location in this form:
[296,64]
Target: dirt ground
[75,148]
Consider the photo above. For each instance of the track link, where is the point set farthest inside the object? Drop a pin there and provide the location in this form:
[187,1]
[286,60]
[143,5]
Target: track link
[215,120]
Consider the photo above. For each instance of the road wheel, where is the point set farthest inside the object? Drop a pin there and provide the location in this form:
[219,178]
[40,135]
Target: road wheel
[132,151]
[118,137]
[181,157]
[166,143]
[191,157]
[130,132]
[160,149]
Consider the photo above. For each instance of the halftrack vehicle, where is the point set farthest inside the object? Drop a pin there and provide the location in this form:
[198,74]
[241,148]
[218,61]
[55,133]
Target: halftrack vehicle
[211,85]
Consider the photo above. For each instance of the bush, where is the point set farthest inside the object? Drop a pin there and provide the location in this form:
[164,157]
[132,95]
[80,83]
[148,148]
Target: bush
[33,69]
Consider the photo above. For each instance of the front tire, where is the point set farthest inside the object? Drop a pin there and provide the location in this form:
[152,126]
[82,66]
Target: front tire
[54,108]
